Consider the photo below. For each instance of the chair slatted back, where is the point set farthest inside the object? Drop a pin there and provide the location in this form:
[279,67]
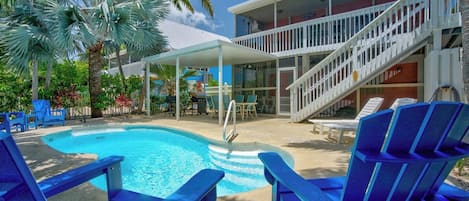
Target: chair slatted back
[209,102]
[406,156]
[239,98]
[251,99]
[215,102]
[41,108]
[370,107]
[16,180]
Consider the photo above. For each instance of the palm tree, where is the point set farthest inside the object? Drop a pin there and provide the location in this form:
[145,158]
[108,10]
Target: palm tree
[206,4]
[108,23]
[167,74]
[465,43]
[26,41]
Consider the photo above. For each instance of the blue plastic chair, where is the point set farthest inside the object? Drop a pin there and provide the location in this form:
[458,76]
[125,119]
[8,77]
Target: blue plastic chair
[4,123]
[17,120]
[402,156]
[46,116]
[18,183]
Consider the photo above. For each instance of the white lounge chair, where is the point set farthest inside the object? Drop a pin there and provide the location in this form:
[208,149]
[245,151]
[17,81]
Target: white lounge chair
[370,107]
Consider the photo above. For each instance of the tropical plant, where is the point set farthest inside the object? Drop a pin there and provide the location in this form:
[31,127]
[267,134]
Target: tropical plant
[206,4]
[95,25]
[26,41]
[14,91]
[167,74]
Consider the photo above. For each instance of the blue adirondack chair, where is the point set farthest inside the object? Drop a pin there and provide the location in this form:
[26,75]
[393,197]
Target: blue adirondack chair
[17,120]
[18,183]
[402,156]
[4,123]
[46,116]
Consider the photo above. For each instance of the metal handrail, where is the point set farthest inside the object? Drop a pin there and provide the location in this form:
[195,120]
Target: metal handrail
[232,131]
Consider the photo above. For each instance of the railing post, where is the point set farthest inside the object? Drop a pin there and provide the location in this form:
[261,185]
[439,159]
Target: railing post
[305,36]
[293,102]
[434,14]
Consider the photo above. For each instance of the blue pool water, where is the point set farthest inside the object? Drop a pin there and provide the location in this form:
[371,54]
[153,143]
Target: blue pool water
[159,160]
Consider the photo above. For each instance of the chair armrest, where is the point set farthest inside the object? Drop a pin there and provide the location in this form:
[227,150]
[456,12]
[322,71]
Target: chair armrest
[202,186]
[278,172]
[452,192]
[61,111]
[77,176]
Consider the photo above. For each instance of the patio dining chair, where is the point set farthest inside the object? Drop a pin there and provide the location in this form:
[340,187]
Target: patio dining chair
[250,108]
[397,155]
[18,183]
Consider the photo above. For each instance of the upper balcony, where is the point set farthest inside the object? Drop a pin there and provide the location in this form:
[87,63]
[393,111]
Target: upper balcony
[285,28]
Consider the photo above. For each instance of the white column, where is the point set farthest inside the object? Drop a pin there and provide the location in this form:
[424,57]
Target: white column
[220,85]
[275,14]
[177,89]
[329,11]
[147,88]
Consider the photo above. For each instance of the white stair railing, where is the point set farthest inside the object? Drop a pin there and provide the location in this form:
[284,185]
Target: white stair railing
[393,35]
[232,134]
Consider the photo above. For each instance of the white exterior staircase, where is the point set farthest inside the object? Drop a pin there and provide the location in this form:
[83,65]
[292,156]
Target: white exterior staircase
[400,30]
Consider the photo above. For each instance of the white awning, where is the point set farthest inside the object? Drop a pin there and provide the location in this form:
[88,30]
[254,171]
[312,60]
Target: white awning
[206,54]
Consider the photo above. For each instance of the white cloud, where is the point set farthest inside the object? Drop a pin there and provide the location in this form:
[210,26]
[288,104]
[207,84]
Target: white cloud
[192,19]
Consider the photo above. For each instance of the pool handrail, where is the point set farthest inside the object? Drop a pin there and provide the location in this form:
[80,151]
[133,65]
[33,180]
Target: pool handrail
[232,134]
[18,183]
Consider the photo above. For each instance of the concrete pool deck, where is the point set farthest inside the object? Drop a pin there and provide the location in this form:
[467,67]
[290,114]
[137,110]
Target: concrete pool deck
[314,155]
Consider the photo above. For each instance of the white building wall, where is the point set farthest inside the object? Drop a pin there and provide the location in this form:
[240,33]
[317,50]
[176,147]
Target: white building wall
[443,71]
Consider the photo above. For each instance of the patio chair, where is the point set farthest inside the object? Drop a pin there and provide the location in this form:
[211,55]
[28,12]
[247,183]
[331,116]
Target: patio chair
[342,125]
[250,107]
[18,183]
[4,123]
[347,125]
[17,120]
[45,115]
[405,156]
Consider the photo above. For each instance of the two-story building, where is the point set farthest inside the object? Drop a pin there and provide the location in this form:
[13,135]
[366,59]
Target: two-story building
[323,57]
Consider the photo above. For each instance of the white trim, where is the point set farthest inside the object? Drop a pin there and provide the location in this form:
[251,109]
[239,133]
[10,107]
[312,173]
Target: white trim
[250,5]
[177,90]
[220,85]
[147,81]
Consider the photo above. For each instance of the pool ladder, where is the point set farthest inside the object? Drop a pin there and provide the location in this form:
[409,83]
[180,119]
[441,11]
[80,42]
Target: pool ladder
[232,134]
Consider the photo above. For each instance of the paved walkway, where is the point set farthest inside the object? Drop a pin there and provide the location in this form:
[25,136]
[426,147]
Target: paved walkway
[314,154]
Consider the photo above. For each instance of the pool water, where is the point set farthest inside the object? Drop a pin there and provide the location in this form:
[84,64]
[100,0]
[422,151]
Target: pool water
[159,160]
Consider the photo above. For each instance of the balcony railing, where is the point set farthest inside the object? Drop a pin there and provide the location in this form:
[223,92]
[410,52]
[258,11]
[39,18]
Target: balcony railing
[322,34]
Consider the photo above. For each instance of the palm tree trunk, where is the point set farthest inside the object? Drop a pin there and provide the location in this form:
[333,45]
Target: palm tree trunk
[141,99]
[95,66]
[465,43]
[35,81]
[119,64]
[48,74]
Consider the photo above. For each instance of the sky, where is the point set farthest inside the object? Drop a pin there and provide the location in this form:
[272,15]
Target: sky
[222,23]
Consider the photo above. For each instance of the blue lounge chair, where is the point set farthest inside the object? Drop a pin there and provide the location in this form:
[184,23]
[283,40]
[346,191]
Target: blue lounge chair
[402,157]
[17,182]
[45,115]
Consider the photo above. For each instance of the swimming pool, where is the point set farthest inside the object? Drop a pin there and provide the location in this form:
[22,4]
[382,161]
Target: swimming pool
[159,160]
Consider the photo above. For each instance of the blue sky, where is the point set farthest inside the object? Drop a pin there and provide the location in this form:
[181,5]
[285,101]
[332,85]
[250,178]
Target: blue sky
[222,23]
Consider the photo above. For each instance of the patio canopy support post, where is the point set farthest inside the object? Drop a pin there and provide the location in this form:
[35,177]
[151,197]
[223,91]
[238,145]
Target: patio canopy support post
[177,89]
[220,85]
[147,87]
